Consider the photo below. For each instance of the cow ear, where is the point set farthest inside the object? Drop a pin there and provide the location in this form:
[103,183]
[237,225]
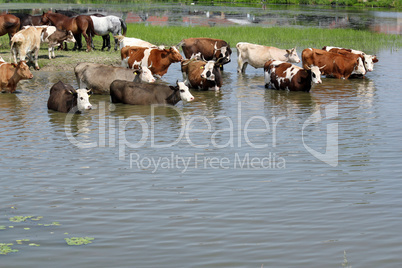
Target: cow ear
[14,65]
[173,88]
[89,92]
[164,55]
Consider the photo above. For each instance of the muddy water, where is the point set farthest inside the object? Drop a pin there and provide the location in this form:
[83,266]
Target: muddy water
[239,178]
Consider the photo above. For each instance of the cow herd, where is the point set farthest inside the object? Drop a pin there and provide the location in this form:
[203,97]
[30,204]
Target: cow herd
[134,81]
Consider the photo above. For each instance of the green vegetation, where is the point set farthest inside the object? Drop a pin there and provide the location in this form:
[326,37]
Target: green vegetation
[274,36]
[5,248]
[77,241]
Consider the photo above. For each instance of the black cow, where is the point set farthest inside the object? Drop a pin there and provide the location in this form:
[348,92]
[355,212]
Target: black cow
[63,98]
[135,93]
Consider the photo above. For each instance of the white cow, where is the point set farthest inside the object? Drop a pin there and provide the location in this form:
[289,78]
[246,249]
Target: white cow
[258,55]
[25,42]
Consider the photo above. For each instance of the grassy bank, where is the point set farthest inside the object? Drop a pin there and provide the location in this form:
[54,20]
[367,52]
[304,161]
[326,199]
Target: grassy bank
[275,36]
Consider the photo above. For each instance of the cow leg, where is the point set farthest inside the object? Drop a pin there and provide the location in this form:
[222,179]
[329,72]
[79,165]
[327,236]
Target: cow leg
[241,66]
[36,59]
[14,53]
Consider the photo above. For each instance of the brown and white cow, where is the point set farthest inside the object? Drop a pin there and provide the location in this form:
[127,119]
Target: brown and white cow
[55,38]
[11,74]
[368,60]
[284,75]
[157,60]
[64,98]
[258,55]
[98,77]
[200,74]
[210,48]
[332,64]
[26,41]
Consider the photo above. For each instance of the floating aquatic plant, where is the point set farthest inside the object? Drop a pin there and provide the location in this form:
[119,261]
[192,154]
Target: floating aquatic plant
[5,248]
[2,227]
[77,241]
[20,218]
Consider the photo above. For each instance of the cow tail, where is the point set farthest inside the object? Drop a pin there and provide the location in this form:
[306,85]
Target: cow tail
[123,26]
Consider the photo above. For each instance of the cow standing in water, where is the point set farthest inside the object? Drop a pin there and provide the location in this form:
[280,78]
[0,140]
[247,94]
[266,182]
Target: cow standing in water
[98,77]
[258,55]
[284,75]
[209,48]
[64,98]
[135,93]
[156,59]
[333,64]
[11,74]
[200,74]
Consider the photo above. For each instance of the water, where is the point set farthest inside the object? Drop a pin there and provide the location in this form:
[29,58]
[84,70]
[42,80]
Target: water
[235,204]
[229,180]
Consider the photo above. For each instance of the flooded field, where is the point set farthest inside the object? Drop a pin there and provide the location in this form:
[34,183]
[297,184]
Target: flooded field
[244,177]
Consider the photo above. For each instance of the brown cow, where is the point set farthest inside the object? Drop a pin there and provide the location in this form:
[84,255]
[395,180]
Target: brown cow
[210,49]
[332,64]
[11,74]
[157,60]
[368,60]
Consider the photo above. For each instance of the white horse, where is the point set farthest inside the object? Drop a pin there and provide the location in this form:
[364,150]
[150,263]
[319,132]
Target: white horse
[108,24]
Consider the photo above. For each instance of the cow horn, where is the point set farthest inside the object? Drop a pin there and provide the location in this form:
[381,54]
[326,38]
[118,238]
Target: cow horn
[203,59]
[322,67]
[308,67]
[215,47]
[150,66]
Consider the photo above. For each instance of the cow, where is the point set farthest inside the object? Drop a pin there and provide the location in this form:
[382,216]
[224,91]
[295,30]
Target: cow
[200,74]
[284,75]
[131,41]
[147,94]
[26,41]
[64,98]
[210,49]
[368,60]
[157,60]
[55,37]
[258,55]
[98,77]
[332,64]
[11,74]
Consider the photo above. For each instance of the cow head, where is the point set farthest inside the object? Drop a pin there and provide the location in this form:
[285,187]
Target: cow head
[207,70]
[315,74]
[70,37]
[222,52]
[359,67]
[174,54]
[82,95]
[23,70]
[184,92]
[369,62]
[291,54]
[143,72]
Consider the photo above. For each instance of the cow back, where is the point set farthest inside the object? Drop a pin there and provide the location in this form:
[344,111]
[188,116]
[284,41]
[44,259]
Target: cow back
[60,98]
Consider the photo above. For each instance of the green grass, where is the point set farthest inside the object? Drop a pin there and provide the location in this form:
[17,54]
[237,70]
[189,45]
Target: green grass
[274,36]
